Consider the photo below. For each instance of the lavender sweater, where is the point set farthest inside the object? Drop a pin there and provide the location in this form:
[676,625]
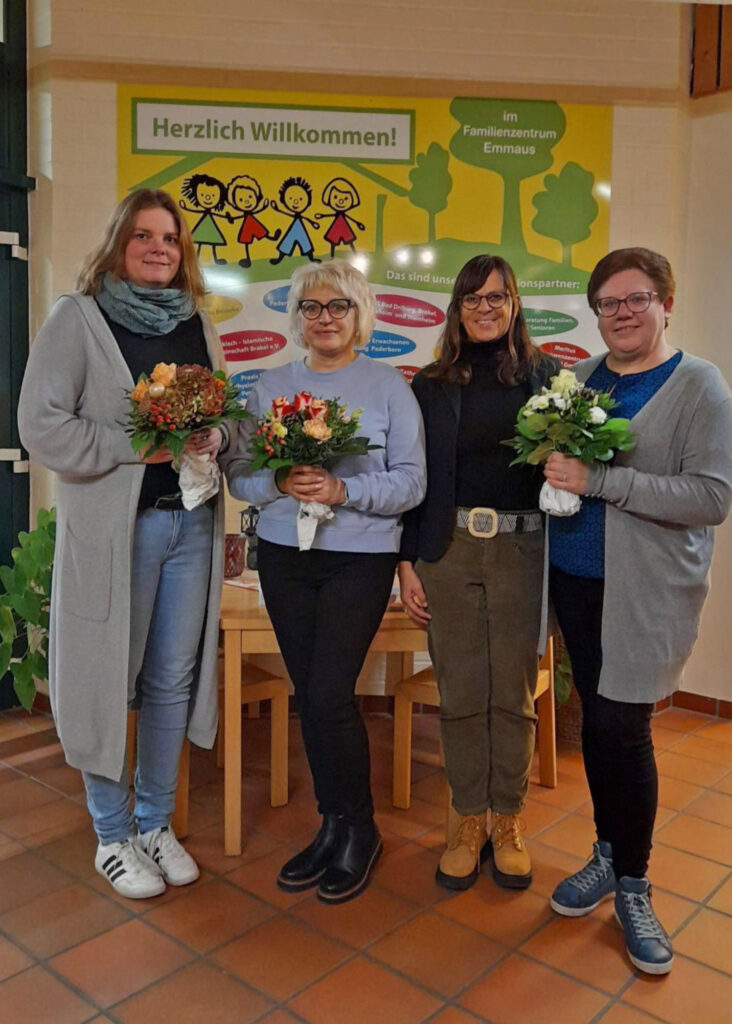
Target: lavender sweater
[381,485]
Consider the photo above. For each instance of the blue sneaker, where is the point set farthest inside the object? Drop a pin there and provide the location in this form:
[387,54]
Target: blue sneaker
[648,945]
[585,889]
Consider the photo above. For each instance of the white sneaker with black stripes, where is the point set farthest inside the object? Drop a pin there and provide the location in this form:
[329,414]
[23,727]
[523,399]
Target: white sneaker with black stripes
[129,870]
[174,863]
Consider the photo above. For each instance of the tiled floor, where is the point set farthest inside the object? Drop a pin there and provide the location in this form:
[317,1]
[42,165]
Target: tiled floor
[232,948]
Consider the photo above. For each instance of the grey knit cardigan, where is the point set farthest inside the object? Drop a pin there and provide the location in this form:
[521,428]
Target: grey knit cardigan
[71,417]
[662,501]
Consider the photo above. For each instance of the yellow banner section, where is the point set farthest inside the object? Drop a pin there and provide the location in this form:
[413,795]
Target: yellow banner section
[408,189]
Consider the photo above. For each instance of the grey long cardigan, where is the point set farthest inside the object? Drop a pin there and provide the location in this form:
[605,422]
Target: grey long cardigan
[662,500]
[71,417]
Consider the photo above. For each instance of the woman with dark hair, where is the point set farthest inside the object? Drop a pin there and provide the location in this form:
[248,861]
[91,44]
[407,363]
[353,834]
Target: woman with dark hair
[136,577]
[472,568]
[629,574]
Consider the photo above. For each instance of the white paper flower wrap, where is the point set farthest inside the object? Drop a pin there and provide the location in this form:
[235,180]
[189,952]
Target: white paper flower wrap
[309,514]
[558,503]
[199,479]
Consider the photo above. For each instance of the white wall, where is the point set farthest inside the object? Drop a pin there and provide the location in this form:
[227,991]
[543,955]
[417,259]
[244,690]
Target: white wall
[628,42]
[705,272]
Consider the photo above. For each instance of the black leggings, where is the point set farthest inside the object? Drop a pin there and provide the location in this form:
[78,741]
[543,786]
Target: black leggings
[326,607]
[617,745]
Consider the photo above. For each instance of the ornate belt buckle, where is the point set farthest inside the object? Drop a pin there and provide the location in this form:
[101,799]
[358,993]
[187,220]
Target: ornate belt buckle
[486,534]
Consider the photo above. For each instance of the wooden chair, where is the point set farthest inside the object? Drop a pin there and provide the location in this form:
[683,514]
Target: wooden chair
[259,685]
[421,688]
[180,814]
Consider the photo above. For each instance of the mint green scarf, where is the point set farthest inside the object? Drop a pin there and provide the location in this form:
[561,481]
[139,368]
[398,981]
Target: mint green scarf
[144,310]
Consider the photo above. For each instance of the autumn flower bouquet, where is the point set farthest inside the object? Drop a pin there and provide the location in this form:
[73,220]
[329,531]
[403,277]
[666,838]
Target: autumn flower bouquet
[306,431]
[170,405]
[571,419]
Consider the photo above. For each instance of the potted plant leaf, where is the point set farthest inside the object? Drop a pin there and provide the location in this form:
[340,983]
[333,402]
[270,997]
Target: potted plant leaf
[25,593]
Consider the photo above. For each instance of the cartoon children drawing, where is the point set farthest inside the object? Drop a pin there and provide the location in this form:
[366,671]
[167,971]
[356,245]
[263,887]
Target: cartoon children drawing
[207,195]
[296,195]
[245,195]
[340,195]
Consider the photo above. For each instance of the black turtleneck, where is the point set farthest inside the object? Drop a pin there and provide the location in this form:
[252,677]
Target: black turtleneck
[488,412]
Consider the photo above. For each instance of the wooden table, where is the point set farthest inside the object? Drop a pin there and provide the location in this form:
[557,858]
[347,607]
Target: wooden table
[248,630]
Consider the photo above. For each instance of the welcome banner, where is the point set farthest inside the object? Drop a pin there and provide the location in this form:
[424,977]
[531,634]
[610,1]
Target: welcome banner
[407,189]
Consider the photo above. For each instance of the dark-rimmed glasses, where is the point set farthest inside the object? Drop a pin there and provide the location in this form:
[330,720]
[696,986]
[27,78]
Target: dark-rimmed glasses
[311,309]
[493,300]
[636,302]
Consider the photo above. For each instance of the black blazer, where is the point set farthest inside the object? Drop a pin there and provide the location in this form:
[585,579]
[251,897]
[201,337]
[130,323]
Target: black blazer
[427,529]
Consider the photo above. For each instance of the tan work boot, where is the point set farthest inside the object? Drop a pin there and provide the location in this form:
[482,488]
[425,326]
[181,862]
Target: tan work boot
[467,848]
[511,862]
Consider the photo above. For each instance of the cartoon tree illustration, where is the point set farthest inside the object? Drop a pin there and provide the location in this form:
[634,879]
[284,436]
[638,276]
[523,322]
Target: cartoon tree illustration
[566,209]
[515,139]
[431,183]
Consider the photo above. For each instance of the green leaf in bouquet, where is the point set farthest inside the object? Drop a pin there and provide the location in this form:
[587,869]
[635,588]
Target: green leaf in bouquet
[175,445]
[540,453]
[138,442]
[560,432]
[534,426]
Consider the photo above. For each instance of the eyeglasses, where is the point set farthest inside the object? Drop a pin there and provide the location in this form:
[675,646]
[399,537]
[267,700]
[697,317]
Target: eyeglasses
[493,300]
[636,302]
[311,309]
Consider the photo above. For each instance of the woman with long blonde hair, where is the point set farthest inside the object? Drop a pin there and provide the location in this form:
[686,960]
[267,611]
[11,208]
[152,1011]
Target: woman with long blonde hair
[137,577]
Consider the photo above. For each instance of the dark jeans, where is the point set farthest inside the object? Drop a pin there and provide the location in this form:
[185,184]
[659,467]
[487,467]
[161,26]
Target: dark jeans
[617,745]
[326,607]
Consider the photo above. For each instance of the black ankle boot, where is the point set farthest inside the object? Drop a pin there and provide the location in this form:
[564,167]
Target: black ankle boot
[348,872]
[307,867]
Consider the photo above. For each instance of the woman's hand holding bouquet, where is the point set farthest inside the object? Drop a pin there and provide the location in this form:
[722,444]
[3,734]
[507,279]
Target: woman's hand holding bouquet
[295,438]
[176,411]
[573,420]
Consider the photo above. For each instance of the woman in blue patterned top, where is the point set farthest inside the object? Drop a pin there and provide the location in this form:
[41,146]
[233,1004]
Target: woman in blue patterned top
[629,574]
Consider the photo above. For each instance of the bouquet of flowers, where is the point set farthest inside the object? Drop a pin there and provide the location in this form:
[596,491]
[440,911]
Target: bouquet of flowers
[571,419]
[307,431]
[169,406]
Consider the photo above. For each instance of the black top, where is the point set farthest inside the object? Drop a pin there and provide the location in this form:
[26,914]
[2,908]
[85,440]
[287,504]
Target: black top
[428,528]
[488,412]
[184,344]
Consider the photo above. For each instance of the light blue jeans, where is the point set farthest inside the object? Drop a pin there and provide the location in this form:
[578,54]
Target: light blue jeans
[171,566]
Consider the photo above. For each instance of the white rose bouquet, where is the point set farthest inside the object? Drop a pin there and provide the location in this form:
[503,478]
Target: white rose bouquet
[306,431]
[571,419]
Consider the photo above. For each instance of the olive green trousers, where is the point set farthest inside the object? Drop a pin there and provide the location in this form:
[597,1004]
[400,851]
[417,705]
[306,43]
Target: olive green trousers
[484,596]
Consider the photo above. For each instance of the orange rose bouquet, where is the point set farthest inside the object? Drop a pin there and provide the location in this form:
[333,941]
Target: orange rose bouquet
[307,431]
[170,405]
